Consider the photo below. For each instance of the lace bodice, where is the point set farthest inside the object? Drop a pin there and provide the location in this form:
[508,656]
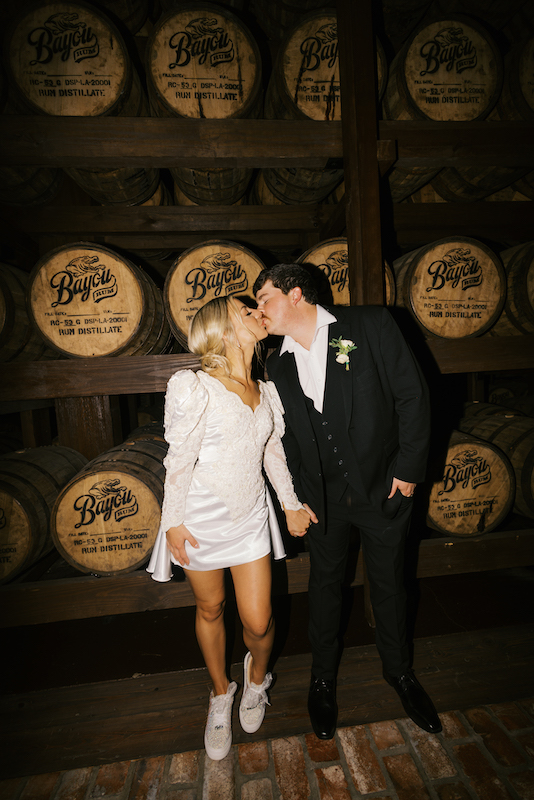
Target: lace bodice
[224,443]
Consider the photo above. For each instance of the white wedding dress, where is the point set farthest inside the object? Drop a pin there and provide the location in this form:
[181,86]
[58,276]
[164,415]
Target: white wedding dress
[214,483]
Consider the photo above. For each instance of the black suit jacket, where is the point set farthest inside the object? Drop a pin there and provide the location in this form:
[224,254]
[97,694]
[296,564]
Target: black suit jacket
[378,411]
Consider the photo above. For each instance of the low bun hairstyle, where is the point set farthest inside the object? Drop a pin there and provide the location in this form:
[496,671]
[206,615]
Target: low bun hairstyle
[211,327]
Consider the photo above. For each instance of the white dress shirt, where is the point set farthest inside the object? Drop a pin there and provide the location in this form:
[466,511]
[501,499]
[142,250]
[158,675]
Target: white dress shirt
[311,364]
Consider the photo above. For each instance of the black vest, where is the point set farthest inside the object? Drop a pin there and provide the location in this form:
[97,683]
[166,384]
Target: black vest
[333,464]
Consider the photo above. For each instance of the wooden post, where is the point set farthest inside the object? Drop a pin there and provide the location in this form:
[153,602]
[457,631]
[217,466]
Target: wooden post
[357,67]
[86,424]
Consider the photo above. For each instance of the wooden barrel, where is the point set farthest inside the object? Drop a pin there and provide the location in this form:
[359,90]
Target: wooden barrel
[515,437]
[449,70]
[297,185]
[469,184]
[29,186]
[454,287]
[475,490]
[152,430]
[304,83]
[68,59]
[211,269]
[18,339]
[181,199]
[331,257]
[86,300]
[221,186]
[517,317]
[478,409]
[106,519]
[203,63]
[30,481]
[122,186]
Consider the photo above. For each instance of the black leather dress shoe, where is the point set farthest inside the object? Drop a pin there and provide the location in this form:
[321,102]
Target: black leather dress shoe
[416,702]
[322,707]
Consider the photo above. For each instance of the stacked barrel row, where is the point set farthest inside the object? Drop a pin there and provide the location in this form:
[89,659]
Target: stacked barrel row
[86,300]
[203,62]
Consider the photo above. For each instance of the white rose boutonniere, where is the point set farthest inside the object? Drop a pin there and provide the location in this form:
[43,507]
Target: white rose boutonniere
[345,346]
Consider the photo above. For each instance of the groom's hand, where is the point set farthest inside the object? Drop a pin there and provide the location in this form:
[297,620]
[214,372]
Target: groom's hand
[405,488]
[312,514]
[299,521]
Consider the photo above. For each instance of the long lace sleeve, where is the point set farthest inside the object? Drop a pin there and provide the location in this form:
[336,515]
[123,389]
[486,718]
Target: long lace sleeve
[185,424]
[274,458]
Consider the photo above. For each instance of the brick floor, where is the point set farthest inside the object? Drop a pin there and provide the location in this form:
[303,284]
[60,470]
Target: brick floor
[483,753]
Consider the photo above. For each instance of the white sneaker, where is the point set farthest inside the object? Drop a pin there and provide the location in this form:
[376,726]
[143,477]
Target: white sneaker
[218,733]
[254,699]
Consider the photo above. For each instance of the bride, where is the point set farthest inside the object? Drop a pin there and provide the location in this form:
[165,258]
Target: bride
[223,428]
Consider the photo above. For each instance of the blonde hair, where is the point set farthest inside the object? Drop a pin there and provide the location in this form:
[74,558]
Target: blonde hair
[211,327]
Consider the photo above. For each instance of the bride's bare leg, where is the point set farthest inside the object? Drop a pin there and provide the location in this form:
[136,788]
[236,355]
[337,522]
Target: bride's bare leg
[208,588]
[252,584]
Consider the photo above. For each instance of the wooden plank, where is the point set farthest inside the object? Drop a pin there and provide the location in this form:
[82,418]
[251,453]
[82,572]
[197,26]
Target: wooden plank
[155,221]
[87,377]
[77,726]
[357,69]
[87,596]
[158,142]
[483,354]
[494,550]
[455,144]
[426,222]
[93,142]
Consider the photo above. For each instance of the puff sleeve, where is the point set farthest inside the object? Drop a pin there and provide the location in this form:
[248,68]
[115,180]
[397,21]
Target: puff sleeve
[274,459]
[185,424]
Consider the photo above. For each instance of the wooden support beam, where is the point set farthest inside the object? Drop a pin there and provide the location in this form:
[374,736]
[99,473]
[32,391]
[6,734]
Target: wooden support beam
[112,142]
[357,66]
[86,424]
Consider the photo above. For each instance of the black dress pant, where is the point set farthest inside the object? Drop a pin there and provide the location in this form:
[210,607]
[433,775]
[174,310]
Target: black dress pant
[383,543]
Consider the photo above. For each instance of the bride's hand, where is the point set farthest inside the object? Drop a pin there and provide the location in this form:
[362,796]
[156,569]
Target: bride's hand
[176,539]
[299,521]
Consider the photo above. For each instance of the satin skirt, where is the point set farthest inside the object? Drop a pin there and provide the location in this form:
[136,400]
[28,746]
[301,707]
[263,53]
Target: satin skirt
[222,542]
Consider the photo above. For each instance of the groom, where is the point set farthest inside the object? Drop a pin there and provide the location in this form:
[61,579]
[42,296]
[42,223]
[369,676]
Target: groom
[357,428]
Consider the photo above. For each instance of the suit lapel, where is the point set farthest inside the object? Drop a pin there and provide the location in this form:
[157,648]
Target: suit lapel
[338,379]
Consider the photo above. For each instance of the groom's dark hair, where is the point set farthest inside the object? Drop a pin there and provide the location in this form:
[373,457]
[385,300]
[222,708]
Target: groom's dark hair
[286,277]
